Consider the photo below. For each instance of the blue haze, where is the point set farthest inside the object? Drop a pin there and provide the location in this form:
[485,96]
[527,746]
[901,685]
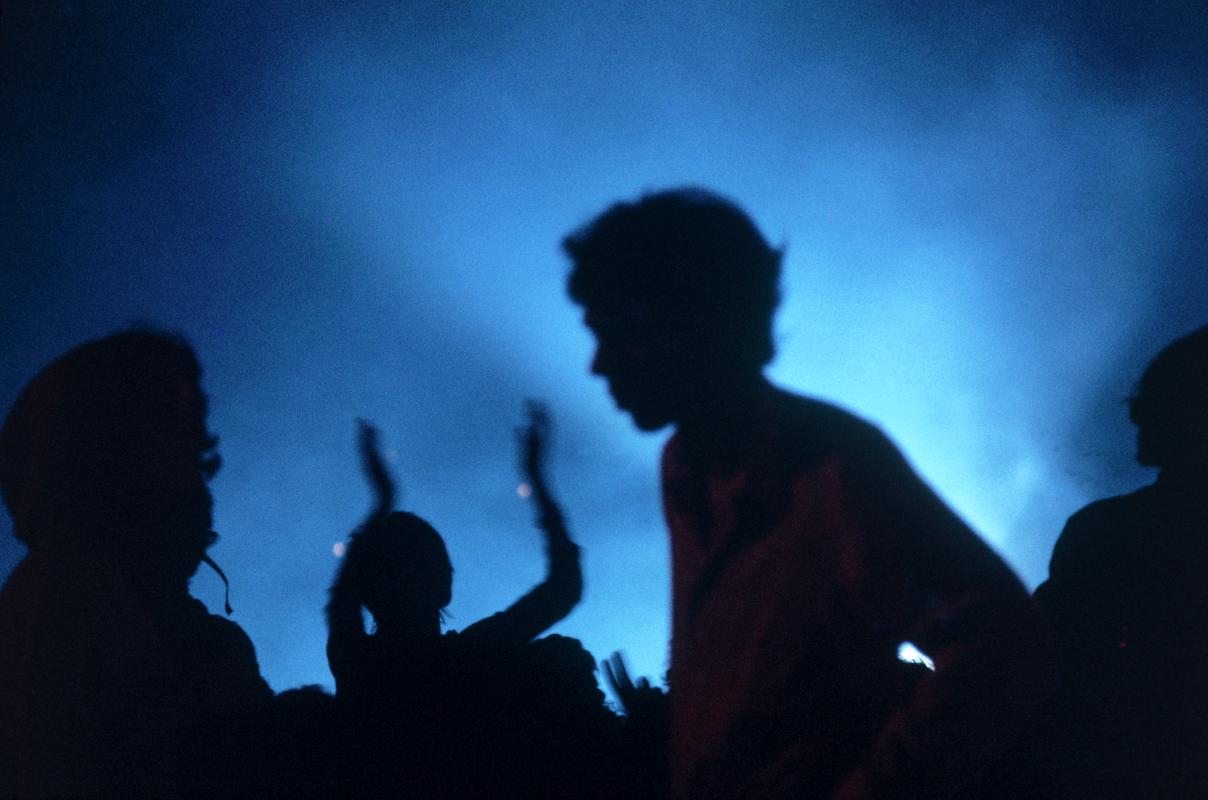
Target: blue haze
[993,217]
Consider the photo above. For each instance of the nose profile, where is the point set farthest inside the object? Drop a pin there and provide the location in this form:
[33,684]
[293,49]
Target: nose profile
[597,361]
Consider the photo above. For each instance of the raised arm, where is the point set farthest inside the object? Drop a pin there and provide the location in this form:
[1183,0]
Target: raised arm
[557,595]
[533,441]
[345,625]
[375,469]
[964,607]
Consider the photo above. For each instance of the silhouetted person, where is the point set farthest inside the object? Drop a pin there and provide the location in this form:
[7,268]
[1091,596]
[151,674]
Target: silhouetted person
[1127,595]
[804,548]
[114,682]
[642,746]
[438,702]
[304,751]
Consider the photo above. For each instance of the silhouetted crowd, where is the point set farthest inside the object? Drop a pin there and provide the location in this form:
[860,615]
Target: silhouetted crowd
[805,553]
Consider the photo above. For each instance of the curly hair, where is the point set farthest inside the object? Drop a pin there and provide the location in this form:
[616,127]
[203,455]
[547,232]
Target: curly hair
[1170,404]
[73,442]
[400,554]
[694,257]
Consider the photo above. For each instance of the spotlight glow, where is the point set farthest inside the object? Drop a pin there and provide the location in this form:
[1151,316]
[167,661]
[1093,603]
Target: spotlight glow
[912,655]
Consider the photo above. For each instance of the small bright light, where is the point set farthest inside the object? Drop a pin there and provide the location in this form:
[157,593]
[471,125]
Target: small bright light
[523,491]
[337,549]
[912,655]
[391,456]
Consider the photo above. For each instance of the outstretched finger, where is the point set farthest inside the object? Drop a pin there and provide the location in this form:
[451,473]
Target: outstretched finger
[533,439]
[621,671]
[609,678]
[540,423]
[615,677]
[366,434]
[375,467]
[538,413]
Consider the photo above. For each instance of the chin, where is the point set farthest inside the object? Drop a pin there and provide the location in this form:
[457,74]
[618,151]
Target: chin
[647,410]
[190,572]
[649,423]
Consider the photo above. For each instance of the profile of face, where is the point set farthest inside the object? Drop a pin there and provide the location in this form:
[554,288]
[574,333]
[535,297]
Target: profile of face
[679,288]
[180,461]
[411,575]
[1170,406]
[643,364]
[109,444]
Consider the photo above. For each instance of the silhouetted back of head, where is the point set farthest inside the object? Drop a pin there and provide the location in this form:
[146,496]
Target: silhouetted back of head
[692,258]
[410,572]
[110,440]
[1170,406]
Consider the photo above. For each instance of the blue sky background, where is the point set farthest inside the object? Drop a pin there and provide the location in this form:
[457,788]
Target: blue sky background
[994,216]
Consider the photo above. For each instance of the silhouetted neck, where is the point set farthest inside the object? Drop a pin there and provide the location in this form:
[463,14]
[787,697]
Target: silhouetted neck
[417,629]
[726,413]
[1187,479]
[80,545]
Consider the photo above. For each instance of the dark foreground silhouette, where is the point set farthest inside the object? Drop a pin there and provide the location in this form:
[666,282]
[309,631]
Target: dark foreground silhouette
[482,712]
[1127,595]
[804,548]
[805,551]
[114,682]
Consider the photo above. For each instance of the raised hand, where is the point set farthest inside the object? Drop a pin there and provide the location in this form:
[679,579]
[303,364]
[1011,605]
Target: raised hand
[533,441]
[638,701]
[375,468]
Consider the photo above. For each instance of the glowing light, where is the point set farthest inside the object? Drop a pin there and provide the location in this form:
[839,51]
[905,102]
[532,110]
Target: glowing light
[912,655]
[338,549]
[391,456]
[523,491]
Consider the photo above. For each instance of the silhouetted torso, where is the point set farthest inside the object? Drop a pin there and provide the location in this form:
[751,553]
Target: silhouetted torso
[106,694]
[1128,597]
[485,712]
[802,559]
[471,715]
[478,713]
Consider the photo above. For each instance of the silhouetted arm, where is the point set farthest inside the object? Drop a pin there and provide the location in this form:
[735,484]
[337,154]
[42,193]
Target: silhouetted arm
[962,605]
[557,595]
[642,756]
[345,625]
[640,701]
[375,469]
[1083,598]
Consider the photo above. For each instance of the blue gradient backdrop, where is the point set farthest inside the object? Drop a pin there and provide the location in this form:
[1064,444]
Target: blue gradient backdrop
[993,213]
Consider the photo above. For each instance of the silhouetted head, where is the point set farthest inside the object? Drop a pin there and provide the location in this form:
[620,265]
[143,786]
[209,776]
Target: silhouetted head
[679,289]
[110,442]
[565,672]
[1170,406]
[409,576]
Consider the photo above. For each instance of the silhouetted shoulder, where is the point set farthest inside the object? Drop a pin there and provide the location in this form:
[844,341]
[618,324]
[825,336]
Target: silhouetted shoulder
[815,429]
[1110,511]
[840,427]
[1093,536]
[233,655]
[796,434]
[918,533]
[791,435]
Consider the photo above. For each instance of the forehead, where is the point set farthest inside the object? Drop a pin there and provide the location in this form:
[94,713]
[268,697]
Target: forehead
[191,402]
[630,318]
